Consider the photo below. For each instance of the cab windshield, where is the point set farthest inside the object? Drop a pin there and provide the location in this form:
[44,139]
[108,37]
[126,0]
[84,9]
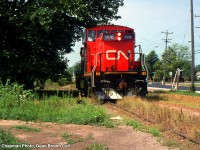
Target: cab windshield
[99,32]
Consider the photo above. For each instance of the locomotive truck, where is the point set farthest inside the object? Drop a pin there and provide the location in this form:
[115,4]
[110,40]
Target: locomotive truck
[110,67]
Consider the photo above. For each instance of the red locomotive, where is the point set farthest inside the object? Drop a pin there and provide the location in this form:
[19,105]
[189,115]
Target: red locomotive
[110,67]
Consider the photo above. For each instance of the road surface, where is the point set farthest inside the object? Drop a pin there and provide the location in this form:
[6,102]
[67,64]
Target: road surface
[168,86]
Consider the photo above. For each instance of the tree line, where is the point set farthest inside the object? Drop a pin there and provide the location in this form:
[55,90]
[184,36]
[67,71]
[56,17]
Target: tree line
[177,56]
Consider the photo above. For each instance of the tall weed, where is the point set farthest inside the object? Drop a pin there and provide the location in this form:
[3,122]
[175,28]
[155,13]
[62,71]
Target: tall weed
[12,95]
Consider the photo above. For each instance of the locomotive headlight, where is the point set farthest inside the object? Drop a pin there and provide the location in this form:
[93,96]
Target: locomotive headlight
[119,38]
[119,34]
[109,37]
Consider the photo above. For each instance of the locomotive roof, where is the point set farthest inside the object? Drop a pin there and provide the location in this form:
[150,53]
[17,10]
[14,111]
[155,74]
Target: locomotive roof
[110,27]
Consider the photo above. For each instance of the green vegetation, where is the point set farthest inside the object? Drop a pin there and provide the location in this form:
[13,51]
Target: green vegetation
[26,128]
[54,109]
[36,35]
[15,103]
[6,138]
[68,139]
[71,138]
[176,56]
[190,93]
[170,143]
[96,146]
[151,59]
[137,125]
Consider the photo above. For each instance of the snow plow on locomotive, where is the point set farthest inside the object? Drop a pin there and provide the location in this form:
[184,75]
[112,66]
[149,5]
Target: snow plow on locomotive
[110,66]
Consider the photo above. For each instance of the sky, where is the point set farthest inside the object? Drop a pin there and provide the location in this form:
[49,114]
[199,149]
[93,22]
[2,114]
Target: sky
[151,17]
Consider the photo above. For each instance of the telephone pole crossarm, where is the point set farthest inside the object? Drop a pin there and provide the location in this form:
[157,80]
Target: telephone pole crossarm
[197,16]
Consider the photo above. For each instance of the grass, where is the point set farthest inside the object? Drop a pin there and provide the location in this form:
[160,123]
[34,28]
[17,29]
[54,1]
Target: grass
[188,84]
[170,143]
[55,109]
[137,125]
[180,98]
[96,146]
[190,93]
[8,141]
[71,138]
[18,104]
[68,138]
[26,128]
[165,118]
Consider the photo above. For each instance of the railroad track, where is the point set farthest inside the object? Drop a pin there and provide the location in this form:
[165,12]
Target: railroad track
[153,122]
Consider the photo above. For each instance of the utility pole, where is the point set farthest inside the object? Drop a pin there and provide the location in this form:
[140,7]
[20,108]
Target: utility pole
[192,47]
[166,42]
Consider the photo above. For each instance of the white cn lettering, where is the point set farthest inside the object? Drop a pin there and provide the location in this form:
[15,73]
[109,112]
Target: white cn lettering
[115,57]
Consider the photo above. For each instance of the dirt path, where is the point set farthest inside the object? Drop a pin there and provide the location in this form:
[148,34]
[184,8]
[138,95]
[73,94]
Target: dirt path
[121,138]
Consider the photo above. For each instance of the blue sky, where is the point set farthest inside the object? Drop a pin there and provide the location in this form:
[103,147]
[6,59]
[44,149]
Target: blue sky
[149,18]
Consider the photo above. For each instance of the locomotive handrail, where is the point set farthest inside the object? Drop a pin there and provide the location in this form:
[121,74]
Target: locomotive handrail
[144,65]
[92,75]
[140,49]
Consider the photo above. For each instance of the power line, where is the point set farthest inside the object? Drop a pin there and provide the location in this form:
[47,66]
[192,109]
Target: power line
[166,42]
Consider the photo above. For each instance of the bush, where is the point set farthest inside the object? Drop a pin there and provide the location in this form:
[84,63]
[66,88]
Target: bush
[12,95]
[63,81]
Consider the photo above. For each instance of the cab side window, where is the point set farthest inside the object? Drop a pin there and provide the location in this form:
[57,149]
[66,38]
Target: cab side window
[91,35]
[84,37]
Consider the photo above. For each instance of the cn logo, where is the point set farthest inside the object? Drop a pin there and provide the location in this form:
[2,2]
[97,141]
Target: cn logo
[113,56]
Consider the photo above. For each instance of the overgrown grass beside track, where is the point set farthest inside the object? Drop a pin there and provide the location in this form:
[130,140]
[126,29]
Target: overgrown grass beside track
[164,117]
[16,103]
[185,99]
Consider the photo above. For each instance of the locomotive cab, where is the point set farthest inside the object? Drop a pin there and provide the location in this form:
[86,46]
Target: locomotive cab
[110,66]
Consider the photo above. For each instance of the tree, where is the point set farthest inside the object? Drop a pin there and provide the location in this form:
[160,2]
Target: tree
[177,56]
[197,68]
[35,35]
[151,59]
[158,67]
